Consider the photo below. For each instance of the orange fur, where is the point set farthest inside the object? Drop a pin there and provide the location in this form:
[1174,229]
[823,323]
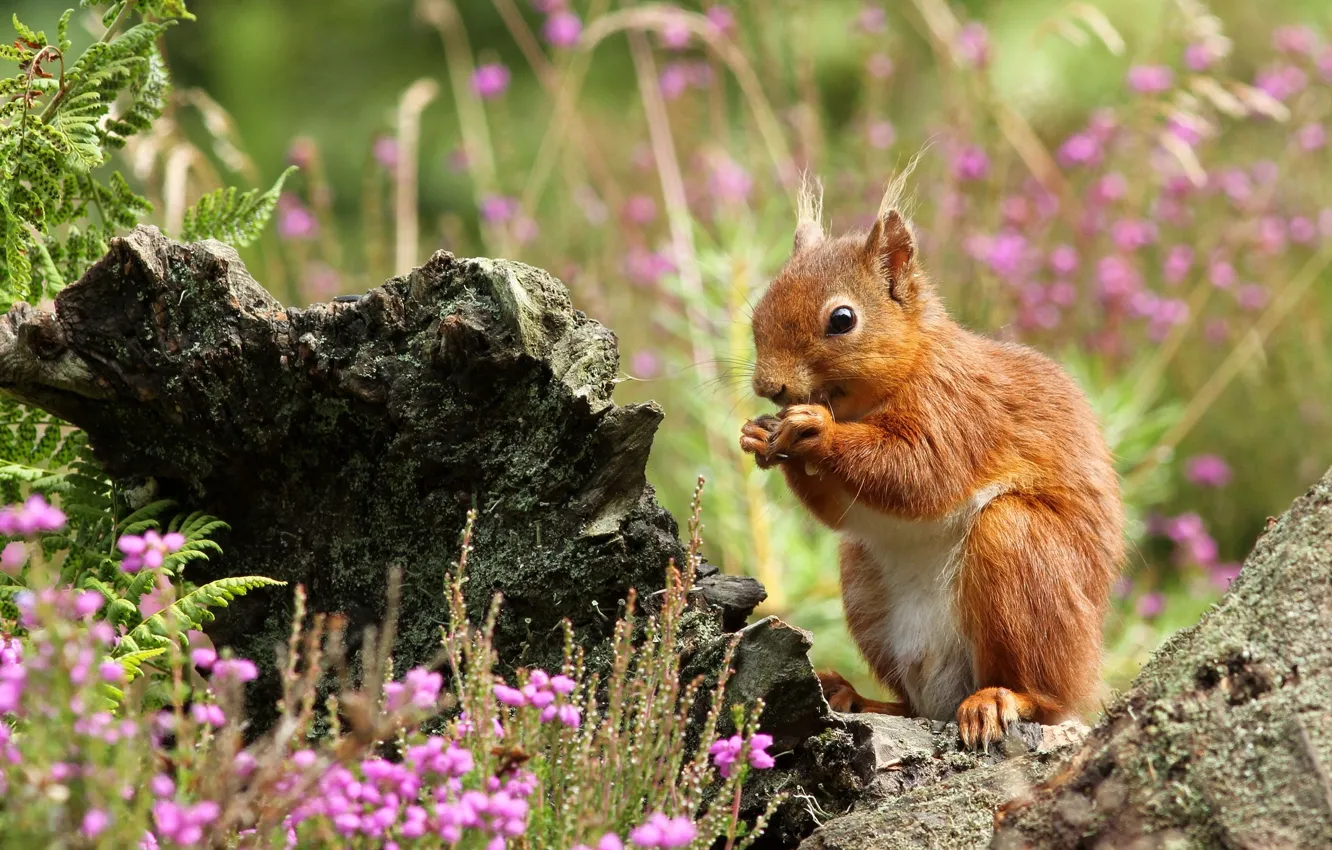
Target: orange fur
[924,423]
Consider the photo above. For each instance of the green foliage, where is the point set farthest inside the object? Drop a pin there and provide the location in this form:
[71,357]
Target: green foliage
[191,611]
[41,454]
[229,215]
[60,120]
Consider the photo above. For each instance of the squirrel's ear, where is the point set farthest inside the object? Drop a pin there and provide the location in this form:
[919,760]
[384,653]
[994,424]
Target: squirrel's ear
[891,251]
[809,214]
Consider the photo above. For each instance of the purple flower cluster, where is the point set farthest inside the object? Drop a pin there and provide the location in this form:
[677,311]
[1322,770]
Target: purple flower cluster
[422,795]
[491,80]
[148,549]
[181,823]
[727,751]
[664,832]
[562,27]
[419,688]
[32,516]
[544,693]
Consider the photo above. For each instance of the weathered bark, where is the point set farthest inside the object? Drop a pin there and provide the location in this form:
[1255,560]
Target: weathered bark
[345,438]
[1225,738]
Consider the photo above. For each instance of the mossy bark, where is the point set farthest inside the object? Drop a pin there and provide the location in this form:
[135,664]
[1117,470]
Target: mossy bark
[344,439]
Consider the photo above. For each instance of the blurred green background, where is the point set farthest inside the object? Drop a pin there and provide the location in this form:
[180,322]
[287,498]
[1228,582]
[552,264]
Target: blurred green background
[654,174]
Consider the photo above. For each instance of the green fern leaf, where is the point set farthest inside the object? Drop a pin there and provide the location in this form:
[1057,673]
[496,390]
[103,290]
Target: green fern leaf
[230,216]
[192,610]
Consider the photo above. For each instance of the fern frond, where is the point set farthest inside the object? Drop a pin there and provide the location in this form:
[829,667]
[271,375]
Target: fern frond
[192,610]
[227,215]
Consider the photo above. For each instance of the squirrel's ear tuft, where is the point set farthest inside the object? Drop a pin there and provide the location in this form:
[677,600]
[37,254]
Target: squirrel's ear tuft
[891,252]
[809,214]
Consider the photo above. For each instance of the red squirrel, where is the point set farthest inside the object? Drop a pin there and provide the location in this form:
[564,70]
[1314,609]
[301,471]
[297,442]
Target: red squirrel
[976,499]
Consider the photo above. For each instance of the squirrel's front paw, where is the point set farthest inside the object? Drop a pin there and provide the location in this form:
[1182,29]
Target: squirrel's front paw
[803,431]
[756,439]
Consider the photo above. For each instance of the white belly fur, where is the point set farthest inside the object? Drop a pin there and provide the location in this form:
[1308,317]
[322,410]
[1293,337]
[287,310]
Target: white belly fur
[918,566]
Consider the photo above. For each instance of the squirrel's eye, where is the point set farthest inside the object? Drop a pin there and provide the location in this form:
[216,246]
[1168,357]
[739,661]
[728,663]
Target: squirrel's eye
[841,321]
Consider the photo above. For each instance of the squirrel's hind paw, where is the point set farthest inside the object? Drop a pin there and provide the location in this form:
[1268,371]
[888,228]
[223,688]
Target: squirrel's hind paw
[842,696]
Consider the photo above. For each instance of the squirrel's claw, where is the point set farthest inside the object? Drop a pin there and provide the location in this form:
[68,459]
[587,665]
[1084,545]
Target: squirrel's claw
[756,439]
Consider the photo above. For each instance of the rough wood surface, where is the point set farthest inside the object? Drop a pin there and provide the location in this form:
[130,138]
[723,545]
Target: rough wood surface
[340,439]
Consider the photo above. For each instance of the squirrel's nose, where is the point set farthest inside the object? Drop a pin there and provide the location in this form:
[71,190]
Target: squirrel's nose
[770,390]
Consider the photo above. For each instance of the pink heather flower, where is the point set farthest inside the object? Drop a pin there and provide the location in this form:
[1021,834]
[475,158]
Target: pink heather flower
[728,182]
[1111,187]
[661,831]
[147,550]
[491,80]
[13,557]
[1311,137]
[424,686]
[970,163]
[1150,79]
[1223,574]
[1252,297]
[385,152]
[722,18]
[882,135]
[1007,254]
[1302,230]
[1271,234]
[496,209]
[570,716]
[758,751]
[1131,234]
[562,684]
[724,752]
[1187,130]
[1150,605]
[1282,81]
[237,669]
[1118,278]
[1178,264]
[208,714]
[34,515]
[610,841]
[880,66]
[872,19]
[203,657]
[295,222]
[1199,57]
[1222,274]
[1079,149]
[675,33]
[244,763]
[510,696]
[162,785]
[647,268]
[645,364]
[1299,40]
[111,671]
[973,45]
[88,602]
[94,821]
[674,80]
[562,29]
[1207,471]
[639,209]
